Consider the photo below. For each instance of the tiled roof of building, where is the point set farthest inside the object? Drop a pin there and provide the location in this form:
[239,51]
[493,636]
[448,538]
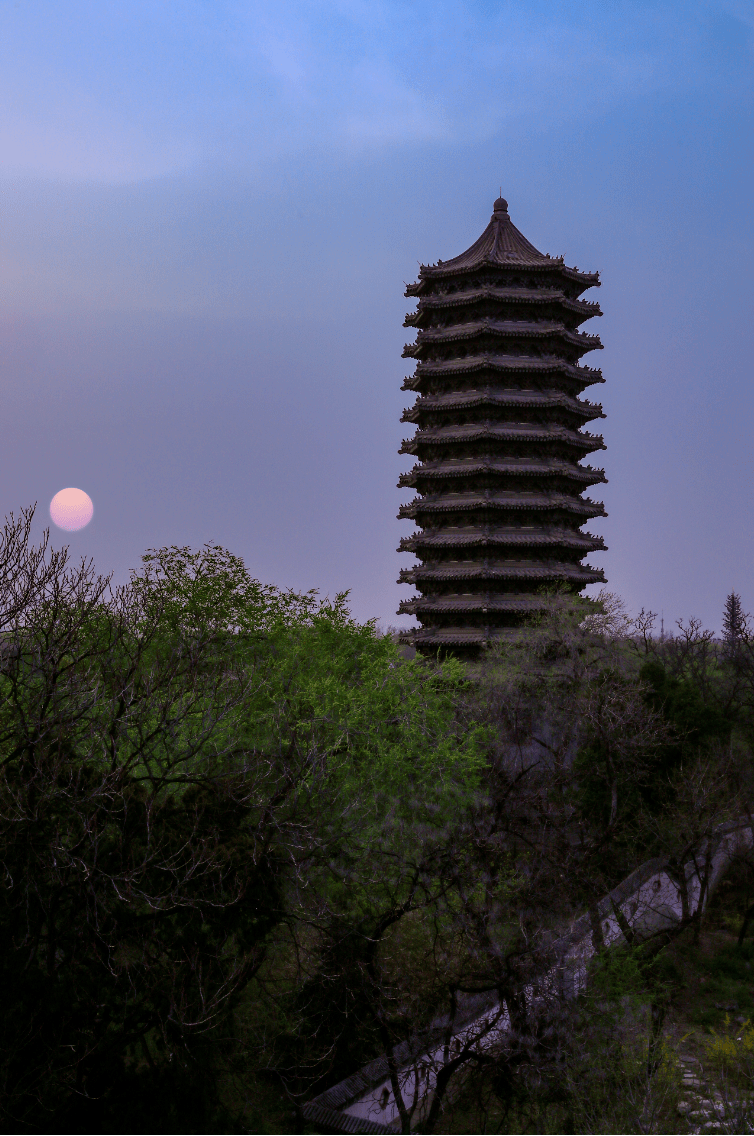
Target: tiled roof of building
[490,604]
[494,500]
[503,537]
[493,361]
[502,245]
[475,467]
[436,637]
[502,432]
[513,570]
[544,399]
[503,329]
[427,304]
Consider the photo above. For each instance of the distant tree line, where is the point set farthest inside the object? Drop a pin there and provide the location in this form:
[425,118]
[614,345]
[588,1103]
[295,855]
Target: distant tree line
[246,846]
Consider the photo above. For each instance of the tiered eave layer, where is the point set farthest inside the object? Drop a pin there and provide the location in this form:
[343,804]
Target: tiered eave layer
[503,330]
[503,432]
[431,639]
[582,376]
[449,571]
[524,468]
[487,539]
[543,400]
[510,298]
[492,603]
[503,503]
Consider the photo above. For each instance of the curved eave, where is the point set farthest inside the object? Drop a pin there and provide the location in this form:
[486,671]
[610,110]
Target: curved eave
[479,604]
[586,308]
[502,330]
[465,503]
[516,328]
[425,542]
[586,376]
[573,573]
[442,471]
[429,274]
[438,637]
[454,435]
[460,400]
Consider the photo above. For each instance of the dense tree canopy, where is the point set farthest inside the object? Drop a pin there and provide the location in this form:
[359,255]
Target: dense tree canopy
[246,845]
[182,759]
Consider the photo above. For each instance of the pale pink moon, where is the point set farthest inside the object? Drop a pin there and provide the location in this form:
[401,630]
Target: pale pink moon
[71,509]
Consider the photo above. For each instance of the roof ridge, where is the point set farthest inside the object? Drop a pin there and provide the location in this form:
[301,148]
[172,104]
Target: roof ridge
[501,244]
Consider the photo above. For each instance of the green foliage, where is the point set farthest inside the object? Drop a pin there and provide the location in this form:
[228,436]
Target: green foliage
[247,846]
[724,983]
[210,589]
[186,765]
[736,623]
[736,1041]
[694,721]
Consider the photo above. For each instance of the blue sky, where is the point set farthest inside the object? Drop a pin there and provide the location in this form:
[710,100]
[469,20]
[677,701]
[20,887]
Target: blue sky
[210,210]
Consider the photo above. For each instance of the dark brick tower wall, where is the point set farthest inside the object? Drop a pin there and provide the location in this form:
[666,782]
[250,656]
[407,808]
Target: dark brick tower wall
[499,482]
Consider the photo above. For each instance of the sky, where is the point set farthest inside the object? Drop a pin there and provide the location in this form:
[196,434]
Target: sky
[210,210]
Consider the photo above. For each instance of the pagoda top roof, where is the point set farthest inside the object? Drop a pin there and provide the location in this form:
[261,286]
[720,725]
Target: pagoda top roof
[502,245]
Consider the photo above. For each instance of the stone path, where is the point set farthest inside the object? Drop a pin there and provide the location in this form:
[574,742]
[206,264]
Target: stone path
[706,1109]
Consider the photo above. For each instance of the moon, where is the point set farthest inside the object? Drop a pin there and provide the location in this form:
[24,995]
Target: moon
[71,509]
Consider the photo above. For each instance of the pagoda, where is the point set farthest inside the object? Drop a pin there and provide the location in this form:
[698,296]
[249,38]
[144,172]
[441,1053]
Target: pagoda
[499,443]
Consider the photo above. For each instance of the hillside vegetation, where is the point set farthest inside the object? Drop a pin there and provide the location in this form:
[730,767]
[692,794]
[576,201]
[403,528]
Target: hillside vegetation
[246,846]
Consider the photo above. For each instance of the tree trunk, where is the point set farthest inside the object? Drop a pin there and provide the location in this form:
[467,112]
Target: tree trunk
[745,924]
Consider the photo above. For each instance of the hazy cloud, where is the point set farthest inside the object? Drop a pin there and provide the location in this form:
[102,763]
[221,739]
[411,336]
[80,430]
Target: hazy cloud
[75,146]
[179,84]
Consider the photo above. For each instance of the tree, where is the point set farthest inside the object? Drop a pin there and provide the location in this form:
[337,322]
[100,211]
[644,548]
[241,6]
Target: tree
[470,917]
[737,644]
[242,837]
[182,760]
[735,621]
[590,770]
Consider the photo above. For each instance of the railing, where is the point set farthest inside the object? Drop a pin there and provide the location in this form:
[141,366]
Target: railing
[648,901]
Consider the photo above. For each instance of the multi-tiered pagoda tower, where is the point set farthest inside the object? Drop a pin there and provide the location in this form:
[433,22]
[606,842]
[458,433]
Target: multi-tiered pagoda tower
[499,443]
